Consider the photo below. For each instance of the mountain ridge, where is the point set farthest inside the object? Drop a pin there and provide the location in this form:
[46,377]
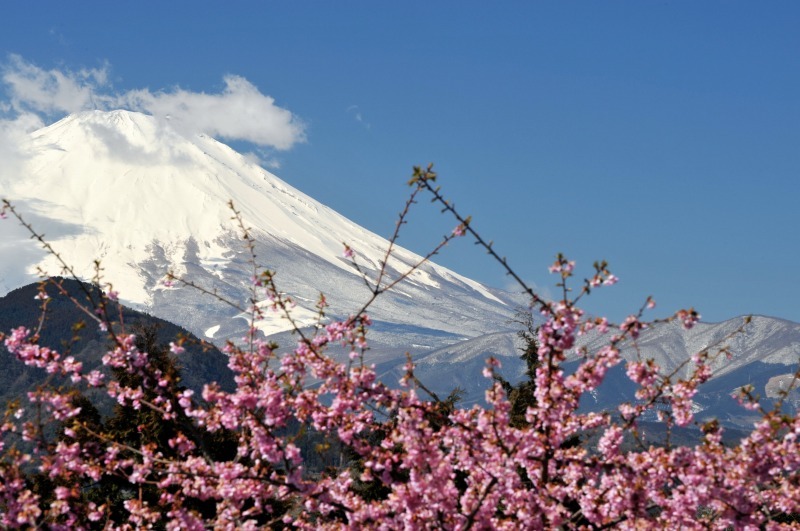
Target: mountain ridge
[201,362]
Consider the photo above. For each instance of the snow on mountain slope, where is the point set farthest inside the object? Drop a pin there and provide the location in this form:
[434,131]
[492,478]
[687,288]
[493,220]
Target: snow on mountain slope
[133,192]
[764,353]
[764,339]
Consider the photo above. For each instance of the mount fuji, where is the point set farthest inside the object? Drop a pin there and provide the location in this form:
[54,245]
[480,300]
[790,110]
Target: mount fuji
[144,197]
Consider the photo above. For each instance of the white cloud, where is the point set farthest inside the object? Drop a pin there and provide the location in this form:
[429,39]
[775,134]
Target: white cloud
[15,128]
[12,131]
[239,112]
[263,159]
[33,89]
[359,116]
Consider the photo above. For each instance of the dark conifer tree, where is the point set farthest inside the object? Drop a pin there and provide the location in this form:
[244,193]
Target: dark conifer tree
[522,395]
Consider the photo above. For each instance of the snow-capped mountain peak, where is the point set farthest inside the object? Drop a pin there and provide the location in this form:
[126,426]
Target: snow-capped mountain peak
[144,197]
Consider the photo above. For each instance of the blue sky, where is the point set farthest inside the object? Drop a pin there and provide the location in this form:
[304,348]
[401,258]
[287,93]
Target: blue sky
[660,136]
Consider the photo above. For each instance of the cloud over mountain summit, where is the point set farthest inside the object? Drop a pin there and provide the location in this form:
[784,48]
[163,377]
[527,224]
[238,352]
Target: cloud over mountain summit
[240,111]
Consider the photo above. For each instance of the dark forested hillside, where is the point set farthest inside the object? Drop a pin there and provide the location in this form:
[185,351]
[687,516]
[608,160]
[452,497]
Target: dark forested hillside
[200,364]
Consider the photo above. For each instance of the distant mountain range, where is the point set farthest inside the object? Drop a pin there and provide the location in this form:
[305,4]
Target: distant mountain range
[764,354]
[144,198]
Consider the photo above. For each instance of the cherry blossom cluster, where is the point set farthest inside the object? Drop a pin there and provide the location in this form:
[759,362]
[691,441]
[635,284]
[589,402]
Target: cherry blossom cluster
[408,461]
